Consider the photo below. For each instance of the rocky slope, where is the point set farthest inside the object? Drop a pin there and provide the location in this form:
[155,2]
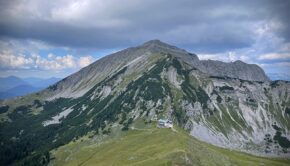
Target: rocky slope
[237,69]
[232,105]
[77,84]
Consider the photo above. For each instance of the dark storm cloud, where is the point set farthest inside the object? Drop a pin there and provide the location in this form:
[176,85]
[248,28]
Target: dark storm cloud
[202,25]
[63,34]
[280,10]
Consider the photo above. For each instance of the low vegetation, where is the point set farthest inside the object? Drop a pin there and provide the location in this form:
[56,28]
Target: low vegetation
[153,146]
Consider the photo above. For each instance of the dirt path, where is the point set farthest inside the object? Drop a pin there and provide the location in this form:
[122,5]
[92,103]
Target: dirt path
[133,128]
[173,129]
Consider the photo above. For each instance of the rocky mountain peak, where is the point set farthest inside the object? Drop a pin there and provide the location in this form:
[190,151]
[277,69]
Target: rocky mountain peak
[239,62]
[237,69]
[155,42]
[159,46]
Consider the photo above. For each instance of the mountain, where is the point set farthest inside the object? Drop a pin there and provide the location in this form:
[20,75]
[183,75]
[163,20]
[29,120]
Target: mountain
[279,76]
[237,69]
[14,86]
[230,105]
[41,82]
[32,80]
[10,82]
[20,90]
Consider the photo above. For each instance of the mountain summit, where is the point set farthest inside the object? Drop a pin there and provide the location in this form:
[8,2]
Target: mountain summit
[231,105]
[159,46]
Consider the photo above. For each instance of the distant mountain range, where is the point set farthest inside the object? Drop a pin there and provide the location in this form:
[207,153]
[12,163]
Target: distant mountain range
[279,76]
[13,86]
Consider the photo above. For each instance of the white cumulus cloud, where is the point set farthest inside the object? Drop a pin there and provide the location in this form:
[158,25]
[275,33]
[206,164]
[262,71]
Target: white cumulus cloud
[10,60]
[274,56]
[85,61]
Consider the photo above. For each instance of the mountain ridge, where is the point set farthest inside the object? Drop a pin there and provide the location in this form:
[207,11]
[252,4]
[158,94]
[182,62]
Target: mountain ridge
[80,82]
[13,86]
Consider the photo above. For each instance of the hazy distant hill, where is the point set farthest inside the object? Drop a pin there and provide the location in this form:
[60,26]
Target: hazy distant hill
[279,76]
[19,91]
[41,82]
[10,82]
[14,86]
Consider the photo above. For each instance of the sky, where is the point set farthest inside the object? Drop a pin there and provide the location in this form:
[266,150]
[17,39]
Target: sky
[56,38]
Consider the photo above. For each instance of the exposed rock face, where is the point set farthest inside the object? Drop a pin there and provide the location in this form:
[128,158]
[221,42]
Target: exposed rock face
[237,69]
[243,116]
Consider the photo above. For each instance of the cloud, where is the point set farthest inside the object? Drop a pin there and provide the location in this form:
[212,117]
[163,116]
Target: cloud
[225,57]
[277,64]
[23,46]
[201,25]
[274,56]
[285,47]
[279,76]
[252,31]
[85,61]
[9,60]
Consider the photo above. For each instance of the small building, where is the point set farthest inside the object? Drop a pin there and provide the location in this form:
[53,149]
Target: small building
[164,123]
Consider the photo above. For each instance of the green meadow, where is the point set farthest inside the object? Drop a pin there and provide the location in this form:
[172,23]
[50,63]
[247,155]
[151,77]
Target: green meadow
[152,146]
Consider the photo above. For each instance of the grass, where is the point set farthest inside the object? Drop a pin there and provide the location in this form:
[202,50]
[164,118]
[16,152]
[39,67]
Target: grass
[154,146]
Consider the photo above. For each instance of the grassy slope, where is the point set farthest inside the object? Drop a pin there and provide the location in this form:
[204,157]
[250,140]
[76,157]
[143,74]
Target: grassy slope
[154,147]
